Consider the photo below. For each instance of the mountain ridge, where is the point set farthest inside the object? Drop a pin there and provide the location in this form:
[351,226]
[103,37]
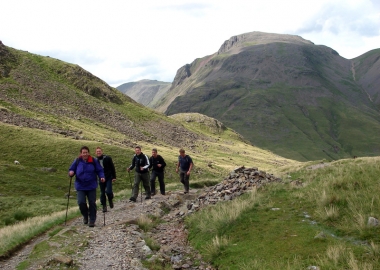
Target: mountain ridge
[288,88]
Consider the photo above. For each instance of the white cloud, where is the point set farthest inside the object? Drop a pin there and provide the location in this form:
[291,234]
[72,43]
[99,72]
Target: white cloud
[121,41]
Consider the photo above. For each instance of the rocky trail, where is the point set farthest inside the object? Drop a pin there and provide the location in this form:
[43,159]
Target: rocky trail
[117,242]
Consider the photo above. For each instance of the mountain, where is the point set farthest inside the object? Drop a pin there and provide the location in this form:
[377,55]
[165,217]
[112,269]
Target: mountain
[147,92]
[285,94]
[50,108]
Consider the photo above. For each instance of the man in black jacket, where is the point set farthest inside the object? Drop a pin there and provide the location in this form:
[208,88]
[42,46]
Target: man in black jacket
[158,164]
[110,177]
[141,163]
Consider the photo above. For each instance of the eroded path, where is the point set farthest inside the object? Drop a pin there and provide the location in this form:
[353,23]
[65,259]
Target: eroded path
[116,242]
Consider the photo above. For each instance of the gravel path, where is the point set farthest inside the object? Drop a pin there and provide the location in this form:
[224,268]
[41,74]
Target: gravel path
[119,244]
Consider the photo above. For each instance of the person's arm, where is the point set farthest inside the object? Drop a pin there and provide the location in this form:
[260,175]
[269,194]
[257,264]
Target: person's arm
[191,166]
[147,162]
[163,163]
[132,165]
[99,170]
[177,166]
[112,168]
[73,168]
[151,162]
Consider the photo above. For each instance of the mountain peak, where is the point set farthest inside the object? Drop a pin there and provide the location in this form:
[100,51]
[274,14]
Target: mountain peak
[255,38]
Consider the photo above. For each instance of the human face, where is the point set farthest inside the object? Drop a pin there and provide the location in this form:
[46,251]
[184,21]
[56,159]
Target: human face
[99,152]
[137,151]
[154,154]
[85,154]
[182,154]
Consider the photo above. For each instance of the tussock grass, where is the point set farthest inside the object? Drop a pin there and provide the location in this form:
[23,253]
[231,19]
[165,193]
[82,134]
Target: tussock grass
[215,248]
[151,243]
[147,222]
[222,214]
[336,199]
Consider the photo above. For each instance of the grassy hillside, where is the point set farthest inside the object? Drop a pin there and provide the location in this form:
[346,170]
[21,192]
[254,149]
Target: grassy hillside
[296,99]
[317,217]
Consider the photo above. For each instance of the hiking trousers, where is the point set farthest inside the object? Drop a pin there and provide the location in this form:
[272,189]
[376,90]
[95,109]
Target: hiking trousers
[105,189]
[184,178]
[144,177]
[90,210]
[160,176]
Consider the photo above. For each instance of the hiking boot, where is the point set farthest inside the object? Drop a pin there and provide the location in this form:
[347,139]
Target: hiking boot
[85,220]
[104,208]
[91,224]
[148,198]
[131,199]
[111,203]
[153,193]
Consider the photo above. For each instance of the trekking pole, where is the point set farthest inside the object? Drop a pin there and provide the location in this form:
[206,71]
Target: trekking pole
[68,198]
[130,180]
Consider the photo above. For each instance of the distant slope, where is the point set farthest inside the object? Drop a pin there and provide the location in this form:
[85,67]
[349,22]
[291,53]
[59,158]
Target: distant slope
[147,92]
[287,95]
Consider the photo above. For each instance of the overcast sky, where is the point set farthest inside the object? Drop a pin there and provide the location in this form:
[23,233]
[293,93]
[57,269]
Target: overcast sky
[121,41]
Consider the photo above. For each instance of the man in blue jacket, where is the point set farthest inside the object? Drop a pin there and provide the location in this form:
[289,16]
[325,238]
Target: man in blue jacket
[184,165]
[86,170]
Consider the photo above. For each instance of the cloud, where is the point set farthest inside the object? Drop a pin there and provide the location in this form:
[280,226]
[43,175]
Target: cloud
[340,17]
[128,40]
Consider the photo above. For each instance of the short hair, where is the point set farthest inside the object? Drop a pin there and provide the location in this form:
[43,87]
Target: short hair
[181,150]
[139,147]
[154,150]
[99,148]
[84,147]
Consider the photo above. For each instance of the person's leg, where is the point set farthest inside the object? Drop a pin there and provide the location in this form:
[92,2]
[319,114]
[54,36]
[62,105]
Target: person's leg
[182,176]
[136,186]
[81,198]
[91,195]
[186,183]
[161,181]
[153,183]
[145,179]
[109,192]
[103,202]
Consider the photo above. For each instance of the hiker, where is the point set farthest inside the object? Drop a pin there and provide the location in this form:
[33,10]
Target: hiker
[141,164]
[158,164]
[110,176]
[86,170]
[185,164]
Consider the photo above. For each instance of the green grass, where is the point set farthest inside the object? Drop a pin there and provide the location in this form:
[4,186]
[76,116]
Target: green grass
[276,229]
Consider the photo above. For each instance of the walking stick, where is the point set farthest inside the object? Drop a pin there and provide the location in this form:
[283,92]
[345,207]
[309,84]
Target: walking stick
[68,198]
[130,180]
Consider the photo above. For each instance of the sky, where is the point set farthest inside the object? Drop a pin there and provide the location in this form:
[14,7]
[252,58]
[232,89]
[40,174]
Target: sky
[123,41]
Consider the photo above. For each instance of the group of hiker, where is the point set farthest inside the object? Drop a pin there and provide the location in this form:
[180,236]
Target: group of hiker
[89,170]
